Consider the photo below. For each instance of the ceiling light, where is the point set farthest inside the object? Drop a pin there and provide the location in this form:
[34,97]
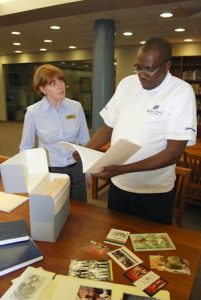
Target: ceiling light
[127,33]
[188,40]
[72,47]
[180,29]
[166,14]
[16,32]
[17,44]
[47,41]
[55,27]
[142,42]
[18,51]
[43,49]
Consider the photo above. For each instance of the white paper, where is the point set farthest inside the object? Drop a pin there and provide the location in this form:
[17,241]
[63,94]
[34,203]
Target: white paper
[93,160]
[8,202]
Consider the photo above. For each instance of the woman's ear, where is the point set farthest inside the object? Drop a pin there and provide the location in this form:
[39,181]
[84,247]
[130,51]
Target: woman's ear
[42,90]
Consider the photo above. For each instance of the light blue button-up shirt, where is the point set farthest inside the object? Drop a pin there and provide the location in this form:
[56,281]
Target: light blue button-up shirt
[50,126]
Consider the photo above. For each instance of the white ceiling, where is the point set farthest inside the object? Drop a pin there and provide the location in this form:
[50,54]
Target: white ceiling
[77,19]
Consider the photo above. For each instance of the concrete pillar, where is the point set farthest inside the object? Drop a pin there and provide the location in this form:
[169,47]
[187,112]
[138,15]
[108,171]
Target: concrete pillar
[103,68]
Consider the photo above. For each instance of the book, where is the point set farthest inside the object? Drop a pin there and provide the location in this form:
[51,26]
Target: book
[145,280]
[117,237]
[91,269]
[63,285]
[151,241]
[12,232]
[29,285]
[93,160]
[174,264]
[125,258]
[18,255]
[9,202]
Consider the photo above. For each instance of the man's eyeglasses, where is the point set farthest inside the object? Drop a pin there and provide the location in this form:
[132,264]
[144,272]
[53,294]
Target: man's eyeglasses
[147,70]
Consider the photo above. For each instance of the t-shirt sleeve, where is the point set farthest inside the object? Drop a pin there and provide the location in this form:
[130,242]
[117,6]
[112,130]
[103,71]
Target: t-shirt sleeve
[110,111]
[182,121]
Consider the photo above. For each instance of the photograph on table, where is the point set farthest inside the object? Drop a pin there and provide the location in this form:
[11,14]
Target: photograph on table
[124,258]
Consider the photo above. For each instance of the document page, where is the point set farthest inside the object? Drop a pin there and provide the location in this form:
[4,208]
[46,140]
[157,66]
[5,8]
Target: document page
[8,202]
[93,160]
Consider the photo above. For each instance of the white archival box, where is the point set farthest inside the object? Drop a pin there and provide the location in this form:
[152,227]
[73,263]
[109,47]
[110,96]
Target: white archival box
[49,201]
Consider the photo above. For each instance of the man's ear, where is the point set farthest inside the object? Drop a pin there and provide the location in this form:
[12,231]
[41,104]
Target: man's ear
[168,65]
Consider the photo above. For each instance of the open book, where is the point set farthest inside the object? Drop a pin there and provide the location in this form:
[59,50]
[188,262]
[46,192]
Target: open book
[93,160]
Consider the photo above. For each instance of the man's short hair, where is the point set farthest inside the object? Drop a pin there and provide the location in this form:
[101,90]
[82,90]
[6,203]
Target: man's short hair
[159,44]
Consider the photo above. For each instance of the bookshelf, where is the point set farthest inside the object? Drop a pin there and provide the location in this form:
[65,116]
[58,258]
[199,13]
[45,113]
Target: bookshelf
[189,69]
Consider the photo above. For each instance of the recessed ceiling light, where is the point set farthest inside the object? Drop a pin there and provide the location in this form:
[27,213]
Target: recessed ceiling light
[72,47]
[180,29]
[16,32]
[142,42]
[166,14]
[17,44]
[55,27]
[188,40]
[47,41]
[128,33]
[18,51]
[43,49]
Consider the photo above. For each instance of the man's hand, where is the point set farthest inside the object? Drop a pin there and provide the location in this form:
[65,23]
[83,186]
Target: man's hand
[108,172]
[76,156]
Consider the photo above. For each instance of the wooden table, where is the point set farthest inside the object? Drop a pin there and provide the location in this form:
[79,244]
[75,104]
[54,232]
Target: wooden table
[88,222]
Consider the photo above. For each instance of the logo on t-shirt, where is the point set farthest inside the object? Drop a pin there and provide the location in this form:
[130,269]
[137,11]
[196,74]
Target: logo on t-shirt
[154,110]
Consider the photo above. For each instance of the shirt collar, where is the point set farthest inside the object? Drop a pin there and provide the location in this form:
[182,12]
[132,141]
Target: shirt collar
[45,105]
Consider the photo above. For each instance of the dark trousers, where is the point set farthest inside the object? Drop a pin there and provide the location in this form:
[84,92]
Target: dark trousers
[78,190]
[155,207]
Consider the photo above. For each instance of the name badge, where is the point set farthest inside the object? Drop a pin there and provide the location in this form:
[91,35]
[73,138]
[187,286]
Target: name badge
[68,117]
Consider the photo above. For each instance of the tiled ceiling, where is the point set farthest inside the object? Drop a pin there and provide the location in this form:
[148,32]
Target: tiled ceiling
[77,19]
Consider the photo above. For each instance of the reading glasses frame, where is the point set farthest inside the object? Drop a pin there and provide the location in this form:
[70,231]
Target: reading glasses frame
[147,70]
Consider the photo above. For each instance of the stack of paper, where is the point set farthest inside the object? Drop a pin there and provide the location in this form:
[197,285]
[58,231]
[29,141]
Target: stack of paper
[8,202]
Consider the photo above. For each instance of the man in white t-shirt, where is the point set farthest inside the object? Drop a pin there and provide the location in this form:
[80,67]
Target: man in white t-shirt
[157,111]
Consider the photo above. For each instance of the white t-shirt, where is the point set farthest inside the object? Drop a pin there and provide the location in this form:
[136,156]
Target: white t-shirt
[149,118]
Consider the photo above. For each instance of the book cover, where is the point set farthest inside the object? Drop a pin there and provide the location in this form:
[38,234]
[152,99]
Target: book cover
[9,202]
[174,264]
[151,241]
[12,232]
[18,255]
[117,237]
[93,160]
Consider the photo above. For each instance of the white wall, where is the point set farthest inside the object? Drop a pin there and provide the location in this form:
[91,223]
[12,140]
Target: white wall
[125,57]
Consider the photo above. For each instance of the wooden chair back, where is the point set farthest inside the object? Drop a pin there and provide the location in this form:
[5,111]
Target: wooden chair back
[3,158]
[181,190]
[193,161]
